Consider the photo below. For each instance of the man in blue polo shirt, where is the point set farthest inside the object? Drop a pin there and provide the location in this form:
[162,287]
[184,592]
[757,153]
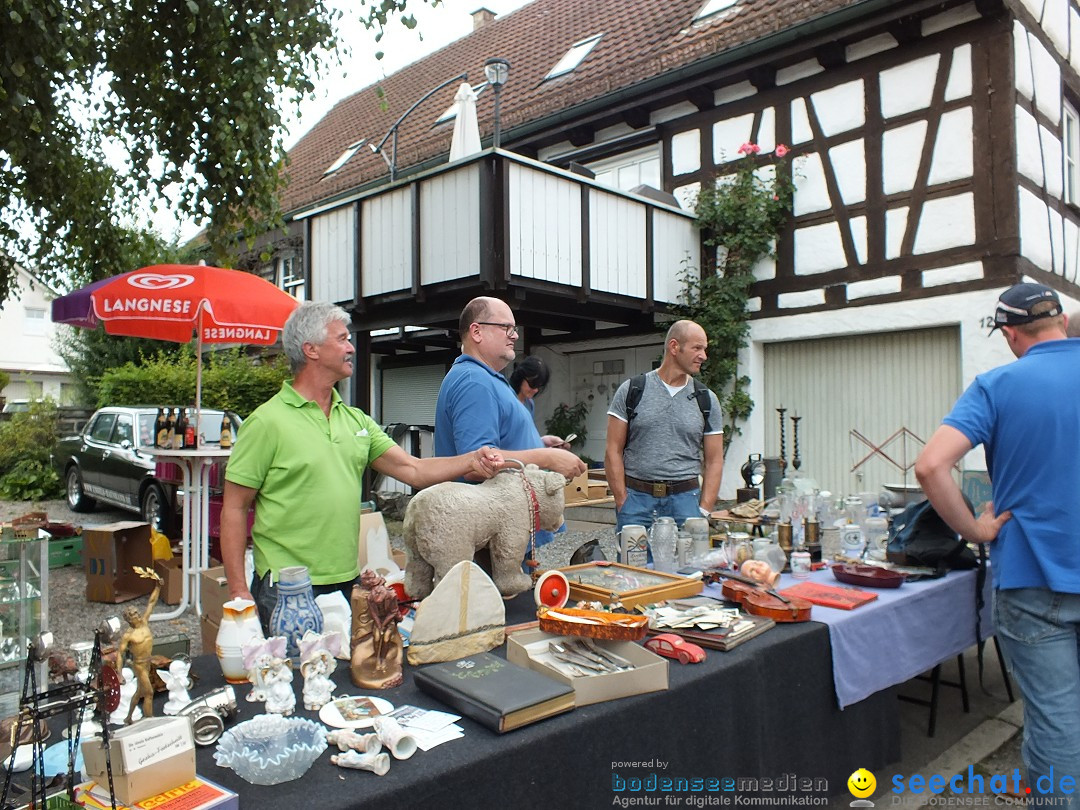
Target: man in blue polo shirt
[477,406]
[1026,414]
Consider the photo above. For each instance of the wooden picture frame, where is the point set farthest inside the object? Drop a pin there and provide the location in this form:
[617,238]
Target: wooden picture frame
[607,582]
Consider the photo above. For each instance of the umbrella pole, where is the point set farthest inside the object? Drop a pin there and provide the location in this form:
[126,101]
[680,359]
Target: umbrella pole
[198,382]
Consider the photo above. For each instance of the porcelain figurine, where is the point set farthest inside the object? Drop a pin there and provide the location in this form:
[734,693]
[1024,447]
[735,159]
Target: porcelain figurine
[378,764]
[239,626]
[317,652]
[127,691]
[177,680]
[296,611]
[346,740]
[258,655]
[278,678]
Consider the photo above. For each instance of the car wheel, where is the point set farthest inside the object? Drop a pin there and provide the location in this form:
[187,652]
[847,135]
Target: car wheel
[156,509]
[77,499]
[684,657]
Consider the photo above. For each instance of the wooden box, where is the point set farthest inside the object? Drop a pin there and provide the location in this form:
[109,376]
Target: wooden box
[578,489]
[614,582]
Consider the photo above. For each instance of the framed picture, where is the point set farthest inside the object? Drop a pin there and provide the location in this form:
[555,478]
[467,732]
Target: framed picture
[606,582]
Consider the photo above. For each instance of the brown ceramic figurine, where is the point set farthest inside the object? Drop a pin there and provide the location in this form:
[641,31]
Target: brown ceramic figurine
[376,644]
[139,641]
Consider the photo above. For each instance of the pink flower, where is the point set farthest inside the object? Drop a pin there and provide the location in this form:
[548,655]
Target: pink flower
[749,148]
[781,150]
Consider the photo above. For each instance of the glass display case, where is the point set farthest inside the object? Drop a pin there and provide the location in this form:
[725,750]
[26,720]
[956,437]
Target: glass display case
[24,608]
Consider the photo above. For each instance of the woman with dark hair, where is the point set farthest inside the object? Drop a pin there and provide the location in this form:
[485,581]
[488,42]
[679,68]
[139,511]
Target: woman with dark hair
[528,379]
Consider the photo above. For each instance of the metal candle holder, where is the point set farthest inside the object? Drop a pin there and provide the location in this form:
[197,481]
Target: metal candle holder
[783,441]
[796,462]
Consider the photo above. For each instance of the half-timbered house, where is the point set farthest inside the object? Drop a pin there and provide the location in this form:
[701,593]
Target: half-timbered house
[935,150]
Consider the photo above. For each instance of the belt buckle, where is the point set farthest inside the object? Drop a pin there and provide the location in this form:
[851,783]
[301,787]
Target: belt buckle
[659,489]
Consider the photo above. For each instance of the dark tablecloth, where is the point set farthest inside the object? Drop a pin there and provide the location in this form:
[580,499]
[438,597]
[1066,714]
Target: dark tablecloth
[765,710]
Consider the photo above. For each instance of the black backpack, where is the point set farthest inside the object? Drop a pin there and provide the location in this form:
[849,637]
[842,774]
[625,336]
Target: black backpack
[637,387]
[919,536]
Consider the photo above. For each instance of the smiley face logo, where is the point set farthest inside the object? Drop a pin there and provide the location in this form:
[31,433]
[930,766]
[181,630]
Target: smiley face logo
[861,783]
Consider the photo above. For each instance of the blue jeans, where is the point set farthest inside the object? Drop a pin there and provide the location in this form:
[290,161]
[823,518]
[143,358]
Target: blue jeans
[1039,631]
[638,509]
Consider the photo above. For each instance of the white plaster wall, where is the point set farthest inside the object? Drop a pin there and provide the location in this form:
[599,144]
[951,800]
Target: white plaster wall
[1038,76]
[949,19]
[798,300]
[874,286]
[683,108]
[811,193]
[901,149]
[895,227]
[1072,251]
[1074,39]
[849,164]
[686,152]
[687,195]
[959,83]
[908,87]
[952,159]
[728,135]
[868,47]
[800,70]
[841,108]
[946,222]
[1053,160]
[766,135]
[1055,22]
[800,123]
[818,249]
[857,227]
[733,92]
[1028,160]
[1035,230]
[970,271]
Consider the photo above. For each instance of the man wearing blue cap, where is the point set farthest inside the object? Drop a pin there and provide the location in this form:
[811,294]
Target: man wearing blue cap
[1026,414]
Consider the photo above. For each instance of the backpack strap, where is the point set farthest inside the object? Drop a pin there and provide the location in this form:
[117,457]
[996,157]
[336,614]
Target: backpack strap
[633,396]
[704,402]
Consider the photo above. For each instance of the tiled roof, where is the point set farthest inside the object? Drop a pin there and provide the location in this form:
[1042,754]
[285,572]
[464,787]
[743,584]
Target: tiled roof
[641,39]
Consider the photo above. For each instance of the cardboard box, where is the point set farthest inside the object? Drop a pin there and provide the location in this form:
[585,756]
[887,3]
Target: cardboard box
[148,758]
[597,489]
[209,627]
[578,489]
[529,648]
[198,794]
[214,591]
[171,572]
[110,554]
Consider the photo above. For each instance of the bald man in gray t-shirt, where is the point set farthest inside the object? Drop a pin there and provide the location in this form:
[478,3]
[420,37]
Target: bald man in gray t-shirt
[653,461]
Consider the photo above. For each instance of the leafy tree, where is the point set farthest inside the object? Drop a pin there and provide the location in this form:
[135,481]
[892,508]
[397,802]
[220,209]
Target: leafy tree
[25,443]
[189,91]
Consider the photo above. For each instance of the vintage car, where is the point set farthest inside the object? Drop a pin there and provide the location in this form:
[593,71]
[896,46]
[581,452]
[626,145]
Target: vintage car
[670,645]
[109,462]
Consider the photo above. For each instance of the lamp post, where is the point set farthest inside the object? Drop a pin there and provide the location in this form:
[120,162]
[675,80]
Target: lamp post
[497,70]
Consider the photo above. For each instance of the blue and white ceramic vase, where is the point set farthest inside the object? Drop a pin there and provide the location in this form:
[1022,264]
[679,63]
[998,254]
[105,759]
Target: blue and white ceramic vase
[295,612]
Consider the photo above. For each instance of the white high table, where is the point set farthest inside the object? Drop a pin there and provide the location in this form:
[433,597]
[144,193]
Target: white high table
[195,465]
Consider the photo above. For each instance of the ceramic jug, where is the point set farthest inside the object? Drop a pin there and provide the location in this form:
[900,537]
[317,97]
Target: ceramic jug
[239,624]
[296,611]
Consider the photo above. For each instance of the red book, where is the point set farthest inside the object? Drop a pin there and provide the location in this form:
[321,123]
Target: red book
[833,596]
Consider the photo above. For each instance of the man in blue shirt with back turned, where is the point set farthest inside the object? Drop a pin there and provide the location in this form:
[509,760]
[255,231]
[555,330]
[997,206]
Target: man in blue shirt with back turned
[1026,414]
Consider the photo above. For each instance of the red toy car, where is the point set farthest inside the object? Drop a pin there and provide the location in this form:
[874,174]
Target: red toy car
[673,646]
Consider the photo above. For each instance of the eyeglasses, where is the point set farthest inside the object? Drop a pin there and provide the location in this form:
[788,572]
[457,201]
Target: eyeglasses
[510,328]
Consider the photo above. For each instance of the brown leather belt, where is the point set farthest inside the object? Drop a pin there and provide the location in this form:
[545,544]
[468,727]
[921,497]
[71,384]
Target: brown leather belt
[661,489]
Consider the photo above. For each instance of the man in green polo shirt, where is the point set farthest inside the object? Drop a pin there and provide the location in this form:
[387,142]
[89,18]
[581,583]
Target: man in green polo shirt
[300,458]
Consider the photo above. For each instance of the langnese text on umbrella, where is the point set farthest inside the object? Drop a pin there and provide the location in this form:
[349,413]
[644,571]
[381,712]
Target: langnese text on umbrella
[237,333]
[164,305]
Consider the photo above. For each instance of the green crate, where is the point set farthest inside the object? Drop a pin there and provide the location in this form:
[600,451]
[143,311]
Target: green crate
[65,551]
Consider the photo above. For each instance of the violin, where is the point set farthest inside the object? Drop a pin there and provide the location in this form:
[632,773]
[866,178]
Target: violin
[759,601]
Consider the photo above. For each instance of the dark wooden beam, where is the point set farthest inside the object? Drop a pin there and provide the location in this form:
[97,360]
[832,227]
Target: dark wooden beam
[762,77]
[636,117]
[701,97]
[831,55]
[906,30]
[581,136]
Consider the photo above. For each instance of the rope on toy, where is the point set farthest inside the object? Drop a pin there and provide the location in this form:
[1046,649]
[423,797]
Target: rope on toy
[534,512]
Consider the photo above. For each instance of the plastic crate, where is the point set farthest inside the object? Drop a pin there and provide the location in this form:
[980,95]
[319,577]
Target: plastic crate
[65,551]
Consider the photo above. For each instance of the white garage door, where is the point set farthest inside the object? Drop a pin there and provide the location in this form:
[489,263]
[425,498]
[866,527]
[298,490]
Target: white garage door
[409,394]
[877,385]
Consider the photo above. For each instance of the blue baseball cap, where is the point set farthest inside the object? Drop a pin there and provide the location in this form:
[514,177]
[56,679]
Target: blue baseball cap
[1015,304]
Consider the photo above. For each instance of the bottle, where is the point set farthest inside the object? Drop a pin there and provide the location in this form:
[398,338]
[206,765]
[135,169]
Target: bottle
[189,435]
[800,563]
[161,428]
[170,431]
[226,432]
[178,430]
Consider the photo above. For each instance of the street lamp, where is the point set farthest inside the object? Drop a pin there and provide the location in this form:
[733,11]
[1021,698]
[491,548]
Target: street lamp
[497,71]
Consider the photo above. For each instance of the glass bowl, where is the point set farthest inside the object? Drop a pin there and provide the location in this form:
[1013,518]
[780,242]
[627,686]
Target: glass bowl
[271,749]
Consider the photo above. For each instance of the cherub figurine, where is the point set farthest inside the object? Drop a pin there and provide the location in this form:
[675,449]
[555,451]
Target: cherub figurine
[258,656]
[345,740]
[278,677]
[318,687]
[140,642]
[127,690]
[378,764]
[177,681]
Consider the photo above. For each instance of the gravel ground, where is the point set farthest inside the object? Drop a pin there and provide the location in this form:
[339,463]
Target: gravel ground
[72,618]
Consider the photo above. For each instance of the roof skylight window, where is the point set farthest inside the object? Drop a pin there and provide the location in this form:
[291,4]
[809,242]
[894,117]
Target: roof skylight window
[451,112]
[713,7]
[578,51]
[350,150]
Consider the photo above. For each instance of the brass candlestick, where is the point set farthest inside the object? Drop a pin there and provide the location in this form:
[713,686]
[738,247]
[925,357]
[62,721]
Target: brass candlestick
[783,442]
[796,462]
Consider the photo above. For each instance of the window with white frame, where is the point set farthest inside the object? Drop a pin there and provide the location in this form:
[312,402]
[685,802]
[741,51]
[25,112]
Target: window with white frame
[292,276]
[34,321]
[573,57]
[1071,138]
[451,112]
[713,7]
[629,170]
